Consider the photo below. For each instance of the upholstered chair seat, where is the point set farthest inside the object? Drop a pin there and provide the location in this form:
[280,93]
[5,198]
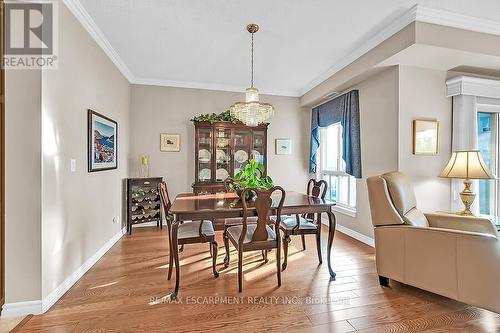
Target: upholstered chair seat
[290,222]
[234,233]
[191,229]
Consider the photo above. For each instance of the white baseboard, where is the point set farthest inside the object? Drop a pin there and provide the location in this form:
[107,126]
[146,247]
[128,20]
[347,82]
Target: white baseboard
[19,309]
[41,306]
[76,275]
[356,235]
[352,233]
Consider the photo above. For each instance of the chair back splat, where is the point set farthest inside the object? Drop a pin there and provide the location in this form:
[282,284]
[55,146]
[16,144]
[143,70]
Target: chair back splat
[318,188]
[262,204]
[165,202]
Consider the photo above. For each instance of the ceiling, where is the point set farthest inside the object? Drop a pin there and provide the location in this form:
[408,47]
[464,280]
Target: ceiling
[204,44]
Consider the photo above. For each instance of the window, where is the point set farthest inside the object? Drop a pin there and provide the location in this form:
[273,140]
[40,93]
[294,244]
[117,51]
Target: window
[342,187]
[487,124]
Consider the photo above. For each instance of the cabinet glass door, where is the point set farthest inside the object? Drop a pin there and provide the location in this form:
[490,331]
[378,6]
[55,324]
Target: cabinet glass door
[204,155]
[222,154]
[258,146]
[241,149]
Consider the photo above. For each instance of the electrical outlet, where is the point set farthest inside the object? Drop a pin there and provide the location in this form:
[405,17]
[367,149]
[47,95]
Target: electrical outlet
[116,219]
[73,165]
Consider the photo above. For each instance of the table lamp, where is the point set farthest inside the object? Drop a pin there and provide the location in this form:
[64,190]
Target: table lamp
[467,165]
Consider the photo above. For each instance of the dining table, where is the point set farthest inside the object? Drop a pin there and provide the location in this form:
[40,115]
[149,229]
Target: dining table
[220,206]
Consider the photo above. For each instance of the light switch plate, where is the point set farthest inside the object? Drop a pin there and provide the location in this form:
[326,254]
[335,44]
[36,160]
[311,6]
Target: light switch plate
[73,165]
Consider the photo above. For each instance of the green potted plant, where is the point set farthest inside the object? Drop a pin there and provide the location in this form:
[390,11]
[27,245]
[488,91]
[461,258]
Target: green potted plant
[251,177]
[216,117]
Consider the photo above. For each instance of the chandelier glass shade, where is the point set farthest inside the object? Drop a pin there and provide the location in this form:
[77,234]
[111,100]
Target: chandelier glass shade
[252,112]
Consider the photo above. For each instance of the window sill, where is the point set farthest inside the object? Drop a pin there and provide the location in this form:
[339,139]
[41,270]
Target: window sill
[344,210]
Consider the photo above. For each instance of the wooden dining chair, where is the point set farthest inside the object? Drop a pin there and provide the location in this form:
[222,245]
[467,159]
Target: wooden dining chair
[189,232]
[237,221]
[257,236]
[306,224]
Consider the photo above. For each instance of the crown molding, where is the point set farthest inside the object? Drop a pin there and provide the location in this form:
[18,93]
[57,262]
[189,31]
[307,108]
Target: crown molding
[473,86]
[209,86]
[454,20]
[416,13]
[88,23]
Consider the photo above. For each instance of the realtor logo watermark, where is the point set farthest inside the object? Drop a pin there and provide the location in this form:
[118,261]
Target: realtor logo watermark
[31,35]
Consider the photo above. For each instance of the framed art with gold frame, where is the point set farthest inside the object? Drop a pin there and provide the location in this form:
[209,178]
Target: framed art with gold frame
[425,137]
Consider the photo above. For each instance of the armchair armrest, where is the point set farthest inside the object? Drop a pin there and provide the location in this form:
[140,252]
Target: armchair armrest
[464,223]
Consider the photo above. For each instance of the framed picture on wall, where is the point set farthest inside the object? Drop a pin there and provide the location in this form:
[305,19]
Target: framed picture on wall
[425,137]
[102,142]
[283,146]
[170,142]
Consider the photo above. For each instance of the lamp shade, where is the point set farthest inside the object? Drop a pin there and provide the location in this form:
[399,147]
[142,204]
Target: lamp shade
[467,164]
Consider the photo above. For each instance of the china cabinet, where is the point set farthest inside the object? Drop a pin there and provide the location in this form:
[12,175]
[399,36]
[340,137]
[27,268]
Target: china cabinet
[222,149]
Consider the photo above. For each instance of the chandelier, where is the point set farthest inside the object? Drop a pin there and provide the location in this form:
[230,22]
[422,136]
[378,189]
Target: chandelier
[252,112]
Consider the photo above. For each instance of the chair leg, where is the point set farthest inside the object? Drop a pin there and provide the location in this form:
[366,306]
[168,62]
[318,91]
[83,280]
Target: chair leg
[318,246]
[226,245]
[384,282]
[175,246]
[240,270]
[286,240]
[213,248]
[278,263]
[303,242]
[264,256]
[170,259]
[210,247]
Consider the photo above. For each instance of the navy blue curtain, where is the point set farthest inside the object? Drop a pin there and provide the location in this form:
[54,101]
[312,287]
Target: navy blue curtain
[343,109]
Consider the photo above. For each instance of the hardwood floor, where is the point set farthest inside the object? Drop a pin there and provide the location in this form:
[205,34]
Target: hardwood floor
[124,292]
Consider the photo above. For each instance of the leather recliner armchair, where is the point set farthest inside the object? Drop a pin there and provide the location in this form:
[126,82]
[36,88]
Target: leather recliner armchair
[450,255]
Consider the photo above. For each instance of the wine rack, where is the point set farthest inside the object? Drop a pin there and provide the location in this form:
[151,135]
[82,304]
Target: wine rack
[143,202]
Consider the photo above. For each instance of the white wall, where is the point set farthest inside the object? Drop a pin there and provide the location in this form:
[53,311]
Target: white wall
[422,95]
[23,186]
[78,208]
[158,110]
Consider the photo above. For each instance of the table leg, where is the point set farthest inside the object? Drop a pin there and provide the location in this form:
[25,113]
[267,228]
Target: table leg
[332,224]
[175,247]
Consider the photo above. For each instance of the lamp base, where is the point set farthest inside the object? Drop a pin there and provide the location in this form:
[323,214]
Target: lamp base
[467,197]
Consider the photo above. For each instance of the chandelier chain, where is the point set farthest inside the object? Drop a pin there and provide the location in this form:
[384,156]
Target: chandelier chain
[252,60]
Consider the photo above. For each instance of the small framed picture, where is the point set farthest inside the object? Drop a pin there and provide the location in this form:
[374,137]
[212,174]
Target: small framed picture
[283,146]
[102,142]
[425,137]
[170,142]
